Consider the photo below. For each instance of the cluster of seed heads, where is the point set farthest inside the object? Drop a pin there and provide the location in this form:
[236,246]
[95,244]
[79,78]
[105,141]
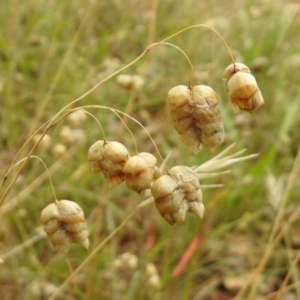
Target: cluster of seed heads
[174,193]
[195,109]
[195,113]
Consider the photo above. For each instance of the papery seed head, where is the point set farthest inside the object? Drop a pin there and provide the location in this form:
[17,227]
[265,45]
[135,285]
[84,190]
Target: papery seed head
[140,171]
[177,193]
[169,201]
[150,158]
[135,165]
[234,68]
[242,88]
[109,158]
[64,223]
[116,152]
[95,154]
[196,116]
[179,95]
[163,187]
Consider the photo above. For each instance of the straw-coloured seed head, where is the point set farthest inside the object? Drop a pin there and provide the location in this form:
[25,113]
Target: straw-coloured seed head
[242,88]
[64,223]
[178,193]
[109,158]
[140,171]
[196,116]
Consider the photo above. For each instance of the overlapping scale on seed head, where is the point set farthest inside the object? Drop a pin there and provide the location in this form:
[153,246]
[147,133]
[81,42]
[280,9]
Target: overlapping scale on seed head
[177,193]
[64,223]
[242,88]
[140,171]
[196,116]
[108,158]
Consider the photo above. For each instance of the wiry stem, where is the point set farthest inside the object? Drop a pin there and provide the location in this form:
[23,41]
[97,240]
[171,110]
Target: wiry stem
[131,118]
[37,157]
[184,54]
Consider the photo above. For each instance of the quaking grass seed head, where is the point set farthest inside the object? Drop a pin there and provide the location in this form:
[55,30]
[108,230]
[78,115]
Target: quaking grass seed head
[242,88]
[64,223]
[108,158]
[177,193]
[140,171]
[196,116]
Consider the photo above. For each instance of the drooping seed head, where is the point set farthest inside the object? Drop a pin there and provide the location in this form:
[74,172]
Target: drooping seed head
[109,158]
[177,193]
[45,143]
[196,116]
[140,171]
[64,223]
[242,88]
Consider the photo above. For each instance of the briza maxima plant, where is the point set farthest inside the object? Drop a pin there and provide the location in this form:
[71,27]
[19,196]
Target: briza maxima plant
[196,116]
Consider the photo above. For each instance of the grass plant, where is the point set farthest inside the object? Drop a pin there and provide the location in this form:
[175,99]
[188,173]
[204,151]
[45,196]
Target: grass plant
[246,246]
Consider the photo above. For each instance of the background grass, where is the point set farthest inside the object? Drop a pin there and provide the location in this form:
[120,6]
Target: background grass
[52,52]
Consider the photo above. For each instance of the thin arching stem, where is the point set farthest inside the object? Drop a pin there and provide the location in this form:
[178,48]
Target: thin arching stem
[91,115]
[133,119]
[24,144]
[54,120]
[22,166]
[148,49]
[37,157]
[184,54]
[117,114]
[134,140]
[205,26]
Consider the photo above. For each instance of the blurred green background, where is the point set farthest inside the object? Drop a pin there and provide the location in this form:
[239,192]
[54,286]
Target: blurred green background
[52,52]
